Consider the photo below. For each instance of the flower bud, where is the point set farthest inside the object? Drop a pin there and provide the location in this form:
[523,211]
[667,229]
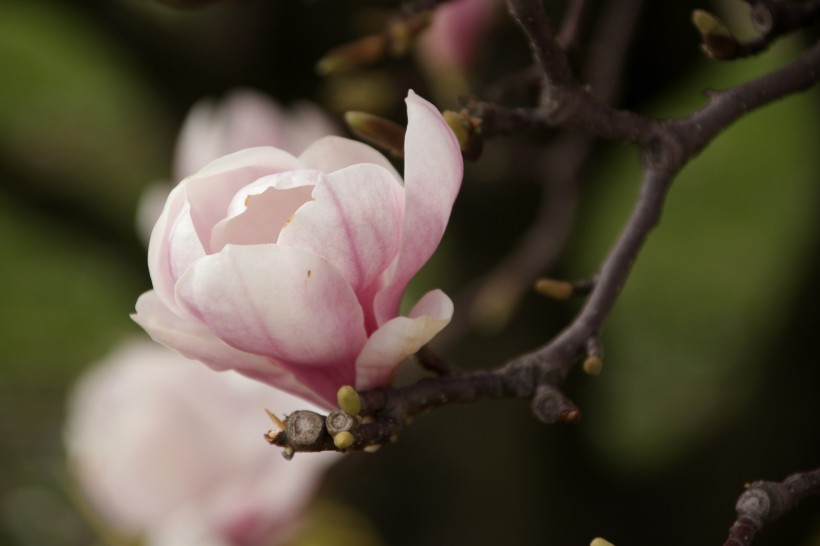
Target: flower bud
[555,289]
[600,542]
[352,55]
[593,365]
[343,440]
[378,131]
[466,130]
[718,40]
[349,400]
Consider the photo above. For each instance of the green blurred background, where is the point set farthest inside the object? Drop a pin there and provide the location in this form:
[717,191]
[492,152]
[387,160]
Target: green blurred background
[711,376]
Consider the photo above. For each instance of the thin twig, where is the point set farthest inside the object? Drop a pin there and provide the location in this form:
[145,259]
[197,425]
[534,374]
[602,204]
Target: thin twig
[571,25]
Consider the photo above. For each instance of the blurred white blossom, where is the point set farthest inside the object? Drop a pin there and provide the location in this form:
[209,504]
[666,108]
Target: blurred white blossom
[165,448]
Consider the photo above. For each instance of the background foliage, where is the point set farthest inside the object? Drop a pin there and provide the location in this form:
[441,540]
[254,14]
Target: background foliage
[711,375]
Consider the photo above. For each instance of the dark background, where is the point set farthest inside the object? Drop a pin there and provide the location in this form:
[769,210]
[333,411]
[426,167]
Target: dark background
[711,376]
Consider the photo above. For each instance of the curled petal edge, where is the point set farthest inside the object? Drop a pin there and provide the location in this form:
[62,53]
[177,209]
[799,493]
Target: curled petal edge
[433,171]
[400,337]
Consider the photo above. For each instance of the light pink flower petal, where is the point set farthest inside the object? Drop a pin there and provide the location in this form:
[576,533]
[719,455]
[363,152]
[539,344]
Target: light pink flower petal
[433,171]
[159,259]
[354,222]
[193,340]
[277,301]
[259,211]
[184,247]
[211,190]
[332,153]
[401,337]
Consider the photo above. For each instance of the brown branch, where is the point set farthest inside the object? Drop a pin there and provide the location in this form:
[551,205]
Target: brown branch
[558,78]
[764,502]
[559,355]
[571,25]
[726,107]
[430,361]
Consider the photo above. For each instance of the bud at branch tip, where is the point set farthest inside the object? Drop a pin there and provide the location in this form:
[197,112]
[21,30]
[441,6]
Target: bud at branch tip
[379,131]
[465,128]
[600,542]
[343,440]
[555,289]
[593,365]
[346,57]
[349,400]
[718,40]
[709,23]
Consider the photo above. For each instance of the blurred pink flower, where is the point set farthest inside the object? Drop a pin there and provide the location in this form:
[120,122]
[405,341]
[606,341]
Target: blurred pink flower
[454,37]
[243,119]
[290,270]
[164,448]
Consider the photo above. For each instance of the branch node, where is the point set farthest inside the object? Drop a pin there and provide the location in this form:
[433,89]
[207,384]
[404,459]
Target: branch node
[304,428]
[551,406]
[339,421]
[755,504]
[762,17]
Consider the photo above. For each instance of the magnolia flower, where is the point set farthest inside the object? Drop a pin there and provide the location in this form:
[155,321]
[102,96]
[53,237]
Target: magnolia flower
[290,270]
[243,119]
[164,448]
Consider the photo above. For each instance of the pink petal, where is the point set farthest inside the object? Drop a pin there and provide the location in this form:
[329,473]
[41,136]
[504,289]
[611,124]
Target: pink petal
[401,337]
[193,340]
[159,258]
[354,222]
[276,301]
[433,169]
[263,208]
[333,153]
[211,189]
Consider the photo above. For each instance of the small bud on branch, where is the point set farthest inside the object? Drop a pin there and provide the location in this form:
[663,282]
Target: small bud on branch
[718,41]
[384,133]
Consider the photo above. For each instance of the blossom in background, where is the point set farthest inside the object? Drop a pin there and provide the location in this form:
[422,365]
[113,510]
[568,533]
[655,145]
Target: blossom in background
[243,119]
[455,35]
[165,448]
[290,269]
